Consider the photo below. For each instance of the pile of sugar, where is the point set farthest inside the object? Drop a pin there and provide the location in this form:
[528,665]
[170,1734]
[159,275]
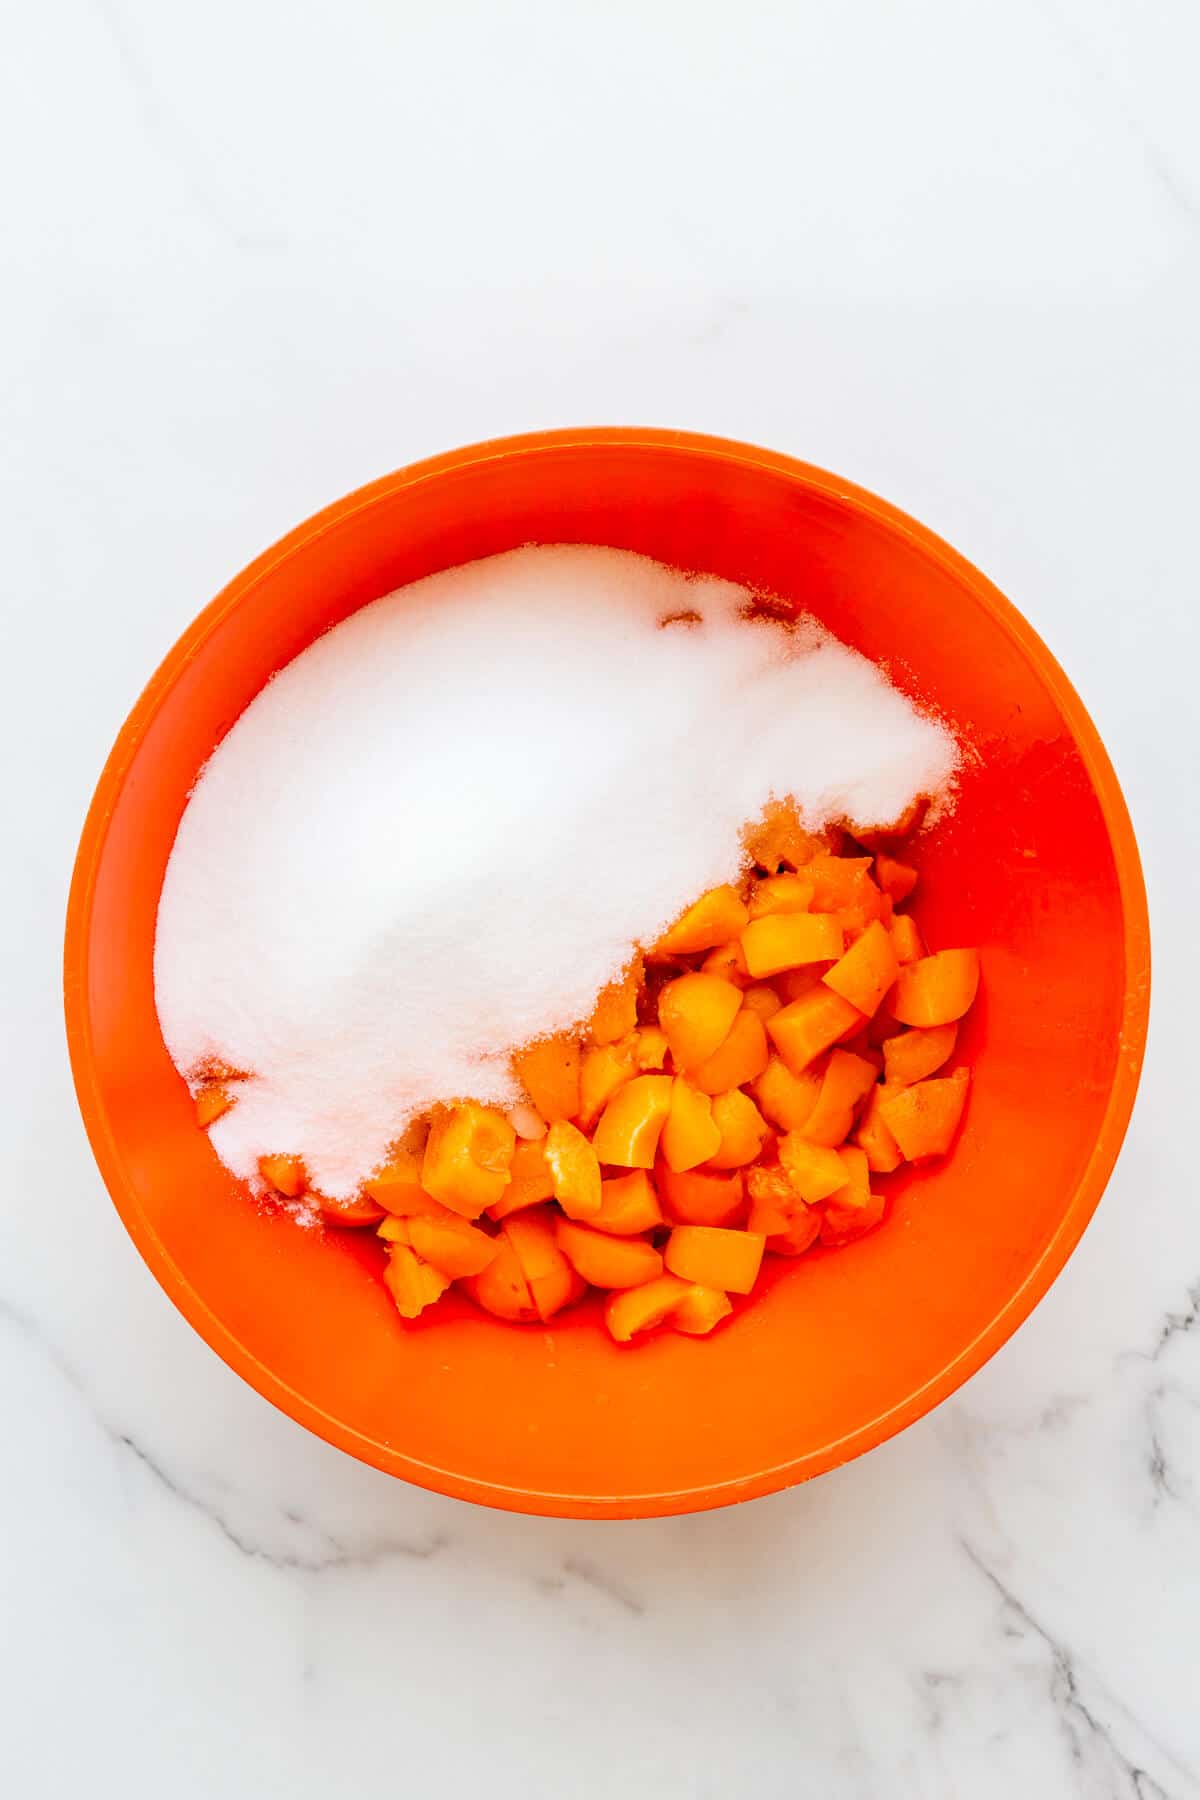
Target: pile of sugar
[439,831]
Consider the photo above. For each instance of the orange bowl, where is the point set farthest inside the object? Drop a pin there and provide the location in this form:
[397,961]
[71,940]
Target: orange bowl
[1037,865]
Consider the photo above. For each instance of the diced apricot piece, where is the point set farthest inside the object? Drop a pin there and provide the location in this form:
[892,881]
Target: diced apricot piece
[779,894]
[467,1157]
[741,1058]
[574,1169]
[853,1209]
[778,838]
[742,1128]
[787,940]
[729,963]
[700,1309]
[413,1284]
[548,1070]
[907,941]
[650,1047]
[526,1121]
[793,984]
[846,1080]
[501,1288]
[867,971]
[924,1118]
[604,1068]
[778,1213]
[615,1013]
[286,1174]
[452,1244]
[917,1053]
[761,999]
[211,1103]
[633,1310]
[397,1186]
[552,1281]
[937,989]
[689,1135]
[531,1181]
[698,1197]
[395,1231]
[786,1099]
[355,1211]
[628,1205]
[697,1011]
[713,919]
[801,1031]
[814,1171]
[629,1128]
[608,1262]
[842,883]
[716,1258]
[874,1138]
[895,878]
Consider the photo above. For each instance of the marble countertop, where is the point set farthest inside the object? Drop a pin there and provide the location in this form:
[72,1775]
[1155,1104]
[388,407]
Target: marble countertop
[255,255]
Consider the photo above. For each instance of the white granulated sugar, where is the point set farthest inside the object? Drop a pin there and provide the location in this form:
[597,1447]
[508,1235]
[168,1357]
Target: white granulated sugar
[439,831]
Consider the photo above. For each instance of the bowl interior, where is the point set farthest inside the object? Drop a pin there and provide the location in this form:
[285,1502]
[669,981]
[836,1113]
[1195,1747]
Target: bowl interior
[841,1348]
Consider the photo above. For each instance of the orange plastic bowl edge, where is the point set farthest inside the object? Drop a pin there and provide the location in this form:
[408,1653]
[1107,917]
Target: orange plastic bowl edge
[659,447]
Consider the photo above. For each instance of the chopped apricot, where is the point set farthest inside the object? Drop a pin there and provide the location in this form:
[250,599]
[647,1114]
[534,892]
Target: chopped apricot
[548,1070]
[698,1197]
[846,1080]
[801,1031]
[501,1288]
[761,999]
[526,1121]
[713,919]
[628,1205]
[696,1011]
[397,1186]
[355,1211]
[633,1310]
[786,1099]
[552,1281]
[779,838]
[814,1171]
[452,1244]
[700,1309]
[786,940]
[895,878]
[874,1138]
[574,1169]
[915,1054]
[608,1262]
[853,1209]
[742,1056]
[867,971]
[779,894]
[778,1213]
[907,941]
[716,1258]
[604,1068]
[842,882]
[924,1118]
[629,1128]
[413,1284]
[395,1231]
[286,1174]
[531,1180]
[615,1013]
[212,1102]
[650,1047]
[467,1157]
[937,989]
[742,1128]
[729,963]
[689,1135]
[793,984]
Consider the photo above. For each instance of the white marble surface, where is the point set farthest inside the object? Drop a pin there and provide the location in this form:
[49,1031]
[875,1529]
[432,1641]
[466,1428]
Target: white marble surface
[256,254]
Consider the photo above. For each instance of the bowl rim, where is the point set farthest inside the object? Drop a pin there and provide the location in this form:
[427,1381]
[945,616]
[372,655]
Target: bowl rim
[1076,1214]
